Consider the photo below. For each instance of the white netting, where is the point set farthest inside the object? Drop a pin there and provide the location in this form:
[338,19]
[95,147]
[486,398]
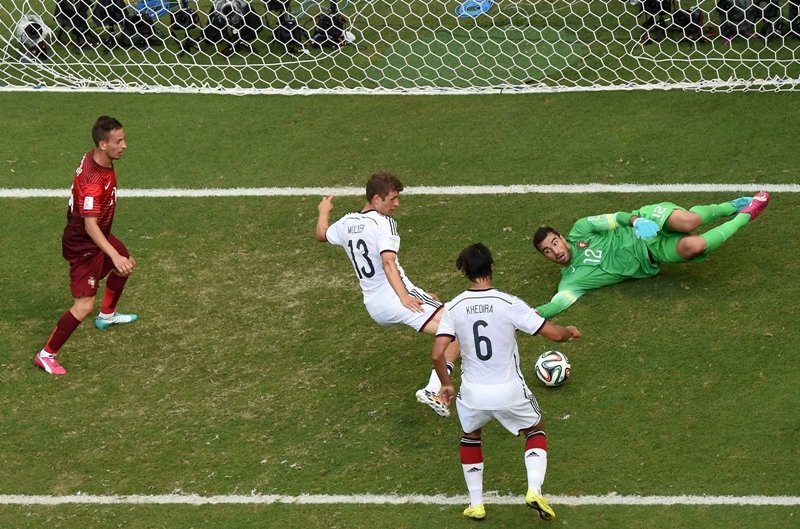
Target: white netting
[299,46]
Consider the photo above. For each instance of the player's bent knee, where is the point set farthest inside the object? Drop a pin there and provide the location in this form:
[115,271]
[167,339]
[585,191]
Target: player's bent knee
[684,221]
[691,247]
[83,307]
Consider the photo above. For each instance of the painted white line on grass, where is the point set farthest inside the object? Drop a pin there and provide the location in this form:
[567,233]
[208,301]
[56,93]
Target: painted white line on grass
[421,190]
[374,499]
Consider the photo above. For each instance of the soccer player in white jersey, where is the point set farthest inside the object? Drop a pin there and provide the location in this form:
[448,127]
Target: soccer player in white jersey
[371,241]
[484,321]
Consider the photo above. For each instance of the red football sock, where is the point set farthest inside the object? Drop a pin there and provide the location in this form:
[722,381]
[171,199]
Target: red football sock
[114,286]
[536,439]
[471,452]
[64,328]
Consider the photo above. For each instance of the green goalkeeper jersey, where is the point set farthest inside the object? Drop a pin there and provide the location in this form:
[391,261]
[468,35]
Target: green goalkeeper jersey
[605,250]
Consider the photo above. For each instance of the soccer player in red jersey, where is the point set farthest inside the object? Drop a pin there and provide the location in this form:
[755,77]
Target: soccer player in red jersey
[88,245]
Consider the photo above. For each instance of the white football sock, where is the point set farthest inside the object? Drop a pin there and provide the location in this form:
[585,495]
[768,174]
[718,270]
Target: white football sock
[536,467]
[473,476]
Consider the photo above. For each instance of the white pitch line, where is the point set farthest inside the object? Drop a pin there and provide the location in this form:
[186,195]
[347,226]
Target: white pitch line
[420,190]
[372,499]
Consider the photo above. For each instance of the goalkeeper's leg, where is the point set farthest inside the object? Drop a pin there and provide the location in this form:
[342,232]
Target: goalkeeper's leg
[693,246]
[713,212]
[747,212]
[687,221]
[715,237]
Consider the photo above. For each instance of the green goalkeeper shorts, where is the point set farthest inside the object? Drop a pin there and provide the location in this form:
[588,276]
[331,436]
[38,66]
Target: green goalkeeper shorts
[658,213]
[663,248]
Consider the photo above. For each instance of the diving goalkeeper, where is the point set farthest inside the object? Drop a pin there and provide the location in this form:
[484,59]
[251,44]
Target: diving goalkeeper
[607,249]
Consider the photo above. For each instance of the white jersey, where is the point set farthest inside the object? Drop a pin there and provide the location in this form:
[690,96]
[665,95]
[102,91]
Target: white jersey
[485,321]
[364,237]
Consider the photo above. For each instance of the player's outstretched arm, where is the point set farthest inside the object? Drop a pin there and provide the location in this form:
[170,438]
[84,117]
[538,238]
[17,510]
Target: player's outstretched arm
[558,304]
[324,208]
[557,333]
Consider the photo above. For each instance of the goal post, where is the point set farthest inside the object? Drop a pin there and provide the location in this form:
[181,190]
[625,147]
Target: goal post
[397,46]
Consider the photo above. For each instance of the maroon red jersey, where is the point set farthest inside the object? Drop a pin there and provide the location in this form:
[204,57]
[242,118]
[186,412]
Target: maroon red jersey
[94,194]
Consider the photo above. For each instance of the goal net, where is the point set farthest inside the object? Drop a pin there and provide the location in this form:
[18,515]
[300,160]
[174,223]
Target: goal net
[397,46]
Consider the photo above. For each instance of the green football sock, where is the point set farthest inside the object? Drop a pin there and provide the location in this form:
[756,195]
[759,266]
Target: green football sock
[713,212]
[716,236]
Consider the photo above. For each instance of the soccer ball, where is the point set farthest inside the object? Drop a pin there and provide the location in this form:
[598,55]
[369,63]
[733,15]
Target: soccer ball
[552,368]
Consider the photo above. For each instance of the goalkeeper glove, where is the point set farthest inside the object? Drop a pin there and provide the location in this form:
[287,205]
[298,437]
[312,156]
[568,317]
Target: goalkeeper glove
[645,228]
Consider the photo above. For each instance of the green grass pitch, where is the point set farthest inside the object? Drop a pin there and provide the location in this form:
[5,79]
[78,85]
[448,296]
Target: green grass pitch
[255,368]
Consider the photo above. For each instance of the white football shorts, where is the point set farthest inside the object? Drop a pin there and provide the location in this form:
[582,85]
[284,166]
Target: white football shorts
[518,417]
[387,310]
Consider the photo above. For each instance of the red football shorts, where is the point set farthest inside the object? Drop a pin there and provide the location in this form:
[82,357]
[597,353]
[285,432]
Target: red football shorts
[85,274]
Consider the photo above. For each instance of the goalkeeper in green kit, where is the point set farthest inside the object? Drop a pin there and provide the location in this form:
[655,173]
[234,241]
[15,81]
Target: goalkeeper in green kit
[606,249]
